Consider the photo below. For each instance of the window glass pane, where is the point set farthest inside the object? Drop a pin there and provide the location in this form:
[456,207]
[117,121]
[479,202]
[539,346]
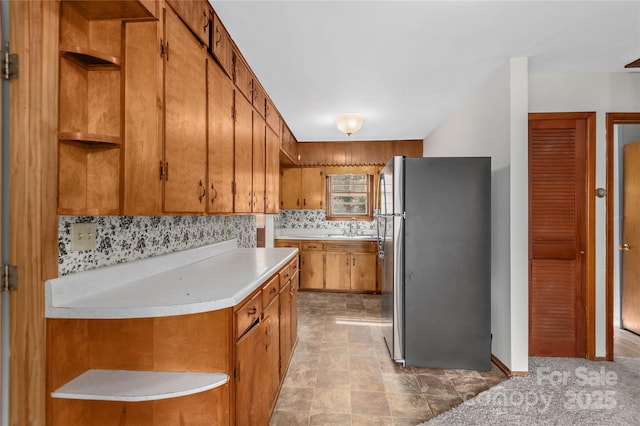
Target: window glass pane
[349,195]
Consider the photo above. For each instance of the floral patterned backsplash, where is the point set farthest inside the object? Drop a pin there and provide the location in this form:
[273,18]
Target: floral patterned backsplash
[126,238]
[315,219]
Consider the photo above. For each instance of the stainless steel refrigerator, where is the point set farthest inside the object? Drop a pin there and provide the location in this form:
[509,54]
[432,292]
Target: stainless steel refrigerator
[434,239]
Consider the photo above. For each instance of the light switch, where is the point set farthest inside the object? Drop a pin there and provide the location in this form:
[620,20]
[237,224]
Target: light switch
[83,236]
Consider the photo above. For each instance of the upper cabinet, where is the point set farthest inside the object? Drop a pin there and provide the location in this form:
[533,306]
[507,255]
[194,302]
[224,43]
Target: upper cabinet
[220,46]
[195,14]
[185,119]
[242,76]
[302,188]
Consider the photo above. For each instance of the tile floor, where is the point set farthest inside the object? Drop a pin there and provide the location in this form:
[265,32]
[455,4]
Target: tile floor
[341,373]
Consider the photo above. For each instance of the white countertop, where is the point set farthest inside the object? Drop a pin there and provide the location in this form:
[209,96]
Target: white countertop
[322,234]
[192,281]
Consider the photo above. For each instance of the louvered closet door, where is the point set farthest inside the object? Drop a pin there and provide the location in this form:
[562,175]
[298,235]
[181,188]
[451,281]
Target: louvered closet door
[557,236]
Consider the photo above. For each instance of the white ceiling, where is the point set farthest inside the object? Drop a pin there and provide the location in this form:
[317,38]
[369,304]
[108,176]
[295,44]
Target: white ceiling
[406,64]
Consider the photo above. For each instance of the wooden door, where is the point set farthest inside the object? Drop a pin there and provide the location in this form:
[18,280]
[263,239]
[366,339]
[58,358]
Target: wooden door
[290,187]
[558,167]
[194,13]
[249,358]
[272,175]
[338,271]
[242,76]
[631,239]
[243,198]
[221,155]
[258,173]
[312,270]
[185,145]
[272,353]
[222,48]
[286,344]
[363,271]
[142,119]
[312,188]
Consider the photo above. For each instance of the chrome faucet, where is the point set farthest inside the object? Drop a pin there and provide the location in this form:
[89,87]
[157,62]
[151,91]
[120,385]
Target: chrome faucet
[353,224]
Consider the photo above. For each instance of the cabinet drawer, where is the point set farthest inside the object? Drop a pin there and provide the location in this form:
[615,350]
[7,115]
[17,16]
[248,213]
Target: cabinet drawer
[293,267]
[285,275]
[270,290]
[353,246]
[248,313]
[287,243]
[311,246]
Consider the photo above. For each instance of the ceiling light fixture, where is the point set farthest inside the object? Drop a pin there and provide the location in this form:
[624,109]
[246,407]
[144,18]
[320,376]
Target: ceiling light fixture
[349,123]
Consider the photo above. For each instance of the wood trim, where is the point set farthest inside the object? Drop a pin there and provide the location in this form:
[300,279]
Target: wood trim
[357,153]
[506,370]
[612,118]
[590,219]
[33,199]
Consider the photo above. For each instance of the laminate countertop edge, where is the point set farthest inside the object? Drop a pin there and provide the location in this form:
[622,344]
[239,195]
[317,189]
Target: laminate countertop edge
[213,278]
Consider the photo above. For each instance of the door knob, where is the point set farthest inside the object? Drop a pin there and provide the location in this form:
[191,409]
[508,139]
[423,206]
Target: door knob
[625,247]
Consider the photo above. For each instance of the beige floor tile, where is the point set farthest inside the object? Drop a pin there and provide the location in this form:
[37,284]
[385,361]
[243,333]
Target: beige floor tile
[333,361]
[295,399]
[330,419]
[440,404]
[366,381]
[333,379]
[400,383]
[371,403]
[301,375]
[436,385]
[409,405]
[362,420]
[289,418]
[331,401]
[364,363]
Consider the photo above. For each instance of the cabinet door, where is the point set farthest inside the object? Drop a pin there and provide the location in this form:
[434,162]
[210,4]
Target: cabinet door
[185,146]
[338,271]
[272,117]
[286,343]
[258,173]
[250,354]
[272,175]
[142,119]
[221,46]
[312,188]
[259,98]
[290,188]
[194,13]
[312,269]
[363,271]
[243,198]
[271,365]
[242,76]
[221,155]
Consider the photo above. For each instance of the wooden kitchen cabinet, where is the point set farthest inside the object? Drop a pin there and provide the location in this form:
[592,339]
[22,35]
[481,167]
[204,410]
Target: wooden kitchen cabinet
[272,173]
[143,124]
[258,172]
[242,76]
[221,46]
[288,146]
[185,115]
[312,276]
[221,140]
[351,265]
[302,188]
[195,14]
[273,118]
[243,197]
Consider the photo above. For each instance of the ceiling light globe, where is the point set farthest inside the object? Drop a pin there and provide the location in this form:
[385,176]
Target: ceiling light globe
[349,123]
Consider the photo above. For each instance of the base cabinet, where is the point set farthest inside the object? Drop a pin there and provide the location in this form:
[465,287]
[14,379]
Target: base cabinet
[337,265]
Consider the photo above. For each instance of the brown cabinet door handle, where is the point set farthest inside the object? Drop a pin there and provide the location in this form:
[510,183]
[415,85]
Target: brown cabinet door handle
[273,290]
[215,193]
[252,311]
[206,20]
[354,262]
[204,191]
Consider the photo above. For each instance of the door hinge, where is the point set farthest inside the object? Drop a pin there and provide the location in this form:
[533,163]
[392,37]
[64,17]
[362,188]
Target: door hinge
[164,170]
[9,278]
[164,49]
[233,114]
[9,63]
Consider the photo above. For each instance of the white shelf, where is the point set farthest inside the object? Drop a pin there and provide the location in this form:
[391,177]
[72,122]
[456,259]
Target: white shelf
[135,386]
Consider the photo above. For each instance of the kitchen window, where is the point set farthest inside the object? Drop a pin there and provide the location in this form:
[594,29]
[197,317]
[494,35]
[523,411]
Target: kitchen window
[349,196]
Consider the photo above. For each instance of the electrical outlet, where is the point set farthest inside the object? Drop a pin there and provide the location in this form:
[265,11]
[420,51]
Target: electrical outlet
[83,236]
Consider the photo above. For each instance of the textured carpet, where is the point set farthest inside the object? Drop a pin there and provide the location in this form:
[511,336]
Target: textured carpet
[559,391]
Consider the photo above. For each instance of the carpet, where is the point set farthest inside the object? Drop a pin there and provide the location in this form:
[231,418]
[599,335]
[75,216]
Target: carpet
[559,391]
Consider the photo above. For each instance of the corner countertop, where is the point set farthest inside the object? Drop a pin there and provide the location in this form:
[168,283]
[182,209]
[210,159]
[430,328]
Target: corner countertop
[192,281]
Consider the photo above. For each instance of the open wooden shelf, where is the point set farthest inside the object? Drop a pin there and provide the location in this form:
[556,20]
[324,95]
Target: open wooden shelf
[90,59]
[136,386]
[89,138]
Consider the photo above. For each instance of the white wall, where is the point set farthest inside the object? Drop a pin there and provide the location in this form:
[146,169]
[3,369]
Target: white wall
[602,93]
[493,122]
